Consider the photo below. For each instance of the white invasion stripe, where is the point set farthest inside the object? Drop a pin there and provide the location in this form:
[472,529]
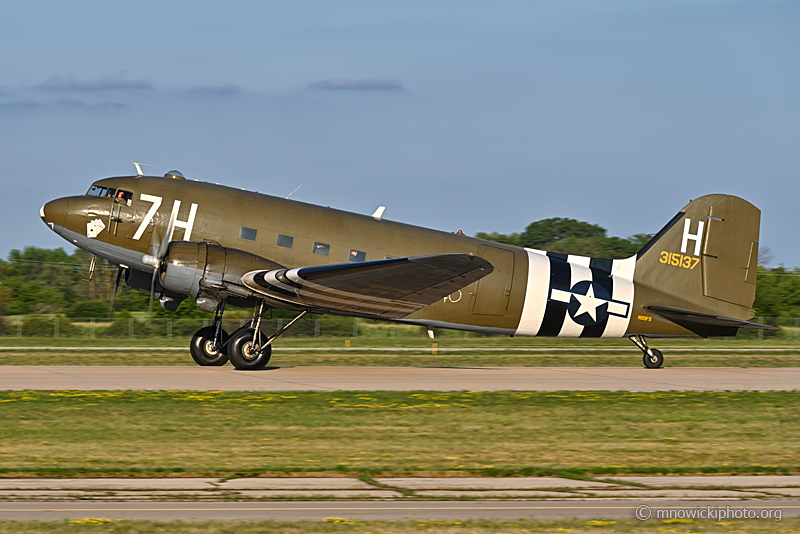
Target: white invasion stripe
[582,261]
[579,272]
[622,277]
[535,293]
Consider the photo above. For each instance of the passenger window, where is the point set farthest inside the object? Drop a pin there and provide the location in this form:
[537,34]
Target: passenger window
[322,249]
[248,233]
[357,255]
[285,241]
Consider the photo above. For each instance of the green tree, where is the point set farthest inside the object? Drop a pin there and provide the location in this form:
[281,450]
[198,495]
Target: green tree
[569,236]
[778,292]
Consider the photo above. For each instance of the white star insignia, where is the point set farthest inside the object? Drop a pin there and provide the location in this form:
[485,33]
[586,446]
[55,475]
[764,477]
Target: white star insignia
[589,303]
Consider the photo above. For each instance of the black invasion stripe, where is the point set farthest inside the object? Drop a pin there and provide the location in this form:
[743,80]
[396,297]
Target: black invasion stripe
[604,266]
[556,312]
[557,256]
[602,277]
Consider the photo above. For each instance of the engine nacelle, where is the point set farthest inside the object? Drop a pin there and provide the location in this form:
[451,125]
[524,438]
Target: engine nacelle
[209,273]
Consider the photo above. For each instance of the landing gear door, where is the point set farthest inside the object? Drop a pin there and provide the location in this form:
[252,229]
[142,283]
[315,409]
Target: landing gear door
[494,290]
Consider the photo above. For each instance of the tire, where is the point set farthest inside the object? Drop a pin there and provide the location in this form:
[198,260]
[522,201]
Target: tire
[242,354]
[654,360]
[203,351]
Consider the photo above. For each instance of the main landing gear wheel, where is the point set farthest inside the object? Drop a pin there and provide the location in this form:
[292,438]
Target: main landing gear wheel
[204,351]
[653,359]
[246,353]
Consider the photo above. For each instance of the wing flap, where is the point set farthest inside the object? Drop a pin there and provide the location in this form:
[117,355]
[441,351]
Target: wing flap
[390,288]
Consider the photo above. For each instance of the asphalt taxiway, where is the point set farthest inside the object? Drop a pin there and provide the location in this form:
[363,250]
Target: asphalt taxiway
[399,378]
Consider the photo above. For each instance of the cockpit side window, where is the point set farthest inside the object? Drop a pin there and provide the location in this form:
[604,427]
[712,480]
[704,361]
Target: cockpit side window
[123,197]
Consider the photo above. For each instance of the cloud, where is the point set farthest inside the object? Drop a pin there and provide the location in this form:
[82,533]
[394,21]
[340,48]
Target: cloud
[345,84]
[109,82]
[21,104]
[227,89]
[80,104]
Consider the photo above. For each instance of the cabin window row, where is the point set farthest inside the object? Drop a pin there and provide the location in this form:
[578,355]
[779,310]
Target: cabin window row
[323,249]
[287,241]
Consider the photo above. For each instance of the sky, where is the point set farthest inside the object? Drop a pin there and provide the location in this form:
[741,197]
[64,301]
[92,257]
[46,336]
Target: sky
[456,115]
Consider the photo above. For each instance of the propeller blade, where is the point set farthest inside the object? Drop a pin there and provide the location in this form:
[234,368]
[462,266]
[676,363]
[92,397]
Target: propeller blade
[164,246]
[158,256]
[114,292]
[152,292]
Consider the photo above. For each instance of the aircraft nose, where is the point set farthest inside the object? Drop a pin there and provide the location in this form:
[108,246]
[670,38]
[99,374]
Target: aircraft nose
[54,213]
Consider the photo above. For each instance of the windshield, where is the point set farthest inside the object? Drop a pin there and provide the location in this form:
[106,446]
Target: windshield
[117,196]
[96,191]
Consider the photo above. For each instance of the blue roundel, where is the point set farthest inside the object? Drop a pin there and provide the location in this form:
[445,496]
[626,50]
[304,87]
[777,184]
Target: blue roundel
[588,304]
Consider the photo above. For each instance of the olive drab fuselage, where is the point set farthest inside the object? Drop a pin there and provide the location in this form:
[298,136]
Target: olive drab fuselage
[528,292]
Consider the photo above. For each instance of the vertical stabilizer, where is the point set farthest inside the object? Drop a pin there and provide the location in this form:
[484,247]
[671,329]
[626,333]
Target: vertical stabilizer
[705,259]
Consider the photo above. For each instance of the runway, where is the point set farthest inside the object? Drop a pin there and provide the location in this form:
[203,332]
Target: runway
[398,378]
[375,511]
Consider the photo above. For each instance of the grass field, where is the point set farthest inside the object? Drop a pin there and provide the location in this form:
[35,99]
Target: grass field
[574,357]
[345,526]
[222,434]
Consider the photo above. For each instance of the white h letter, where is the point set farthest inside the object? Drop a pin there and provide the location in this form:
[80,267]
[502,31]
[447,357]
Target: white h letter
[187,226]
[694,237]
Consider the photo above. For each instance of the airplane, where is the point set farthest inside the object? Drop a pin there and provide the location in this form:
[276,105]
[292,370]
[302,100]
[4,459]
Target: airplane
[176,238]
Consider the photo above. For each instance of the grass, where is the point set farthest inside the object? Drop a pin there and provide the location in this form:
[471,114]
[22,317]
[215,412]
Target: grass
[624,357]
[229,434]
[347,526]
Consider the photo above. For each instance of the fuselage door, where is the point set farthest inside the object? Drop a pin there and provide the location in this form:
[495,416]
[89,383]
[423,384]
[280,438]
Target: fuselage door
[494,290]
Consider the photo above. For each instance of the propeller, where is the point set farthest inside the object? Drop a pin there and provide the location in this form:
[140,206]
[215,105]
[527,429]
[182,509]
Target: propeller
[114,291]
[158,251]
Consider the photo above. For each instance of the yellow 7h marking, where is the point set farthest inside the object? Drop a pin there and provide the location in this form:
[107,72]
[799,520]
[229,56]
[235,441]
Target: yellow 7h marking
[679,260]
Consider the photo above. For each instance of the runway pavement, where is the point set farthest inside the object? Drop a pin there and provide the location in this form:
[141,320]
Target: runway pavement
[375,511]
[398,378]
[653,488]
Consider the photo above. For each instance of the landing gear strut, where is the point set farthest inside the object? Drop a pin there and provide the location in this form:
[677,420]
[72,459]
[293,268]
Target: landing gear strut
[249,349]
[207,346]
[653,359]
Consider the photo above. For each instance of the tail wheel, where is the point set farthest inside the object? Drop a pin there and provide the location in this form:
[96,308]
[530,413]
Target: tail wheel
[653,359]
[204,352]
[245,352]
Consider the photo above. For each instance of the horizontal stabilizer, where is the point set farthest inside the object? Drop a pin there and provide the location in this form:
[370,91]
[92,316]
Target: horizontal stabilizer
[706,325]
[392,288]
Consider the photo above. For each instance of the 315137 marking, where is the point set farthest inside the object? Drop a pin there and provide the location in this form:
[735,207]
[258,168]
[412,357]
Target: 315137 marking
[679,260]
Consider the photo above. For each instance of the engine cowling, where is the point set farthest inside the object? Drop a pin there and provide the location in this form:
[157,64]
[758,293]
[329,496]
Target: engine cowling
[209,273]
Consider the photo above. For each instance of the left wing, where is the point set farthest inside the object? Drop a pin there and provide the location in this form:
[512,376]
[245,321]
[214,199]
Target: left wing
[391,288]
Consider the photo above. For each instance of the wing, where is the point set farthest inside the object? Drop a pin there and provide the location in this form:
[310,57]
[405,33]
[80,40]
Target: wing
[391,288]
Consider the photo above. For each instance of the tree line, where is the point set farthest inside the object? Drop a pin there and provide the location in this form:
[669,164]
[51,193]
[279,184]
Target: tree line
[52,281]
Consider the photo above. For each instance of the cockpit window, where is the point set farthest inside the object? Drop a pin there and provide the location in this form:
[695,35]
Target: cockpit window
[123,197]
[111,193]
[96,191]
